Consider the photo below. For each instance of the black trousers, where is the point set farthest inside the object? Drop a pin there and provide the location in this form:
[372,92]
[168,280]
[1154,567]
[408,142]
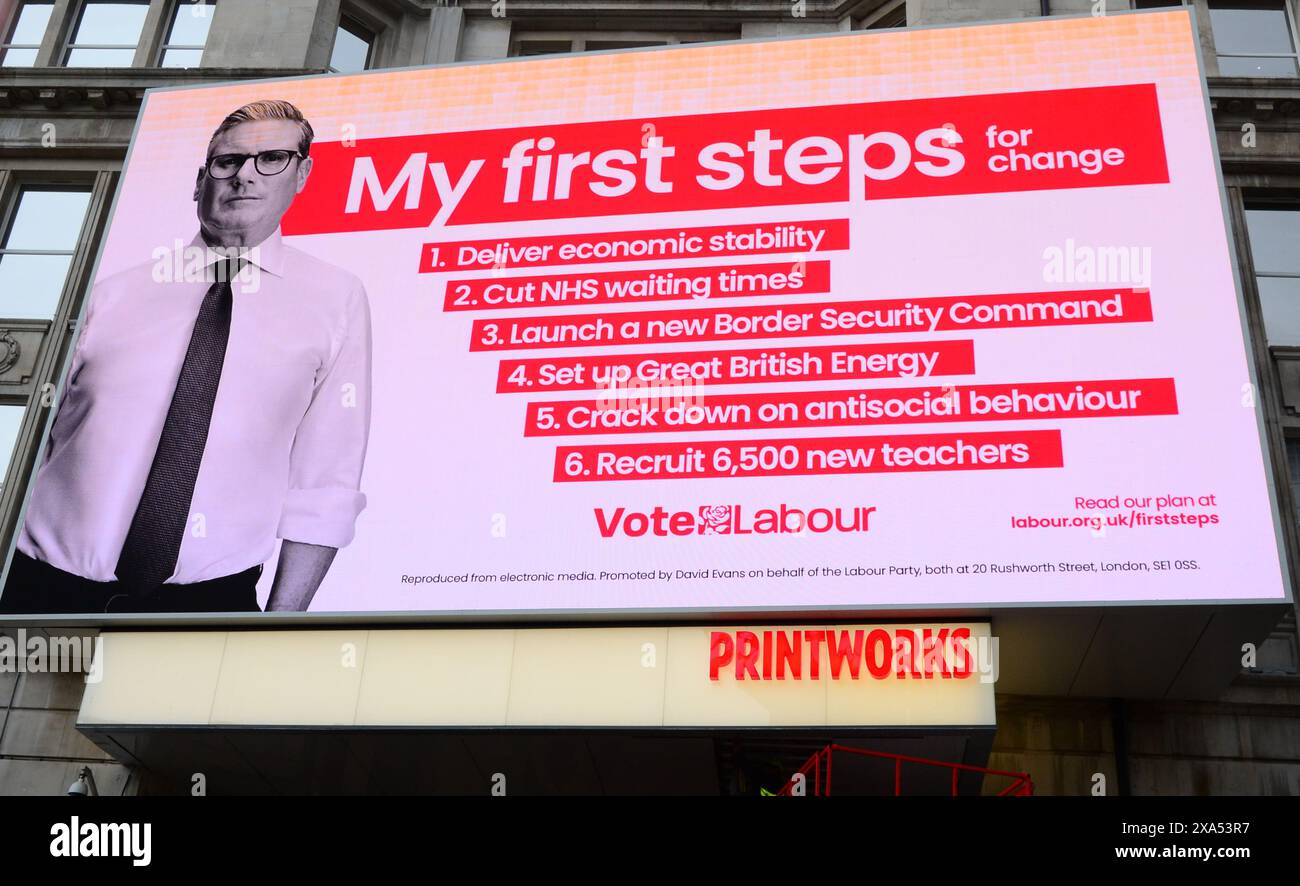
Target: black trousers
[36,587]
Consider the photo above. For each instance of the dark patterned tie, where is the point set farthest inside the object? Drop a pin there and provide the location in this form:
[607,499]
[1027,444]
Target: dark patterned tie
[153,542]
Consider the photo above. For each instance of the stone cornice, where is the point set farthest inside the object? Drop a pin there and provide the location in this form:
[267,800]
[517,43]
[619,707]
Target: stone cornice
[1257,98]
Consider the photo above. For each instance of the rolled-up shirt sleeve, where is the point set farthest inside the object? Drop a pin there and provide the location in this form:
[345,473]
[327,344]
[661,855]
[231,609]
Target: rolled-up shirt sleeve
[329,450]
[98,292]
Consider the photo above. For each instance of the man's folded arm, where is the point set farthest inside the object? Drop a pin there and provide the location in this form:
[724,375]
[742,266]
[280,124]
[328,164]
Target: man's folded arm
[329,450]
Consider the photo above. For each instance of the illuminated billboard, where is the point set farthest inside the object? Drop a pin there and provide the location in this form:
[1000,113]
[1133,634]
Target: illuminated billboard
[922,318]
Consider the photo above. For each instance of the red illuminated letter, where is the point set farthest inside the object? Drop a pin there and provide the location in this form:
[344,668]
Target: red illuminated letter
[746,654]
[720,649]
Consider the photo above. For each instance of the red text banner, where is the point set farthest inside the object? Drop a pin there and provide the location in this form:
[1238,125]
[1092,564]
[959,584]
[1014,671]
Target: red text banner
[810,409]
[992,450]
[821,363]
[632,287]
[879,316]
[980,144]
[715,241]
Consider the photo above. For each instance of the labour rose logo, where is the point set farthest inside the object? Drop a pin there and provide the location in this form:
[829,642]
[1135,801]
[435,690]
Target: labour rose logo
[715,520]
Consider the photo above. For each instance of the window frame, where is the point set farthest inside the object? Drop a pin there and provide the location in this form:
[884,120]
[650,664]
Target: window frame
[1290,17]
[357,28]
[14,182]
[577,40]
[517,48]
[885,17]
[1274,202]
[11,26]
[77,16]
[169,21]
[9,215]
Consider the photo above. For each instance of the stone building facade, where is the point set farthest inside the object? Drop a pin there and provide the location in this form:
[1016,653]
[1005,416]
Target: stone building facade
[72,76]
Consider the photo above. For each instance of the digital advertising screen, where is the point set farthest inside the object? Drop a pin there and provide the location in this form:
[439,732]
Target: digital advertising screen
[875,320]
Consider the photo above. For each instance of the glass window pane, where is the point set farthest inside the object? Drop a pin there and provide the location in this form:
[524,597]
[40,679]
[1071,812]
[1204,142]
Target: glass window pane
[544,47]
[1245,66]
[1293,462]
[47,220]
[190,26]
[30,285]
[101,58]
[1274,240]
[1279,299]
[1261,29]
[112,24]
[29,27]
[350,52]
[18,58]
[10,418]
[182,58]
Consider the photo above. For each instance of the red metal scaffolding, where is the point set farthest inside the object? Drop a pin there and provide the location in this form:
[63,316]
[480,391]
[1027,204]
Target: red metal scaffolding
[1021,785]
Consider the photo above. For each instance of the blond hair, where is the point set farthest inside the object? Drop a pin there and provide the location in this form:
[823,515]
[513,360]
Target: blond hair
[267,109]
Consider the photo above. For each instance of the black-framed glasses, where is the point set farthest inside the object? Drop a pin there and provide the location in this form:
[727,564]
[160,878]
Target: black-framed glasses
[274,162]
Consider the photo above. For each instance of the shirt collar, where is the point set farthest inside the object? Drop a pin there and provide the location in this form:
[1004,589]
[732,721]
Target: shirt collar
[267,255]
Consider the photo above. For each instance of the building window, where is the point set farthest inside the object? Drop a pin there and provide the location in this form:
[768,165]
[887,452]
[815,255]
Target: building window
[23,38]
[1280,651]
[11,418]
[107,34]
[889,15]
[354,47]
[1293,463]
[542,47]
[544,43]
[1274,232]
[601,45]
[188,34]
[37,249]
[1254,39]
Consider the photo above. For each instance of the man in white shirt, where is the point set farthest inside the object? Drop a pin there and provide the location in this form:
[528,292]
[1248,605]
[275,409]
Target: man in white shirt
[203,418]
